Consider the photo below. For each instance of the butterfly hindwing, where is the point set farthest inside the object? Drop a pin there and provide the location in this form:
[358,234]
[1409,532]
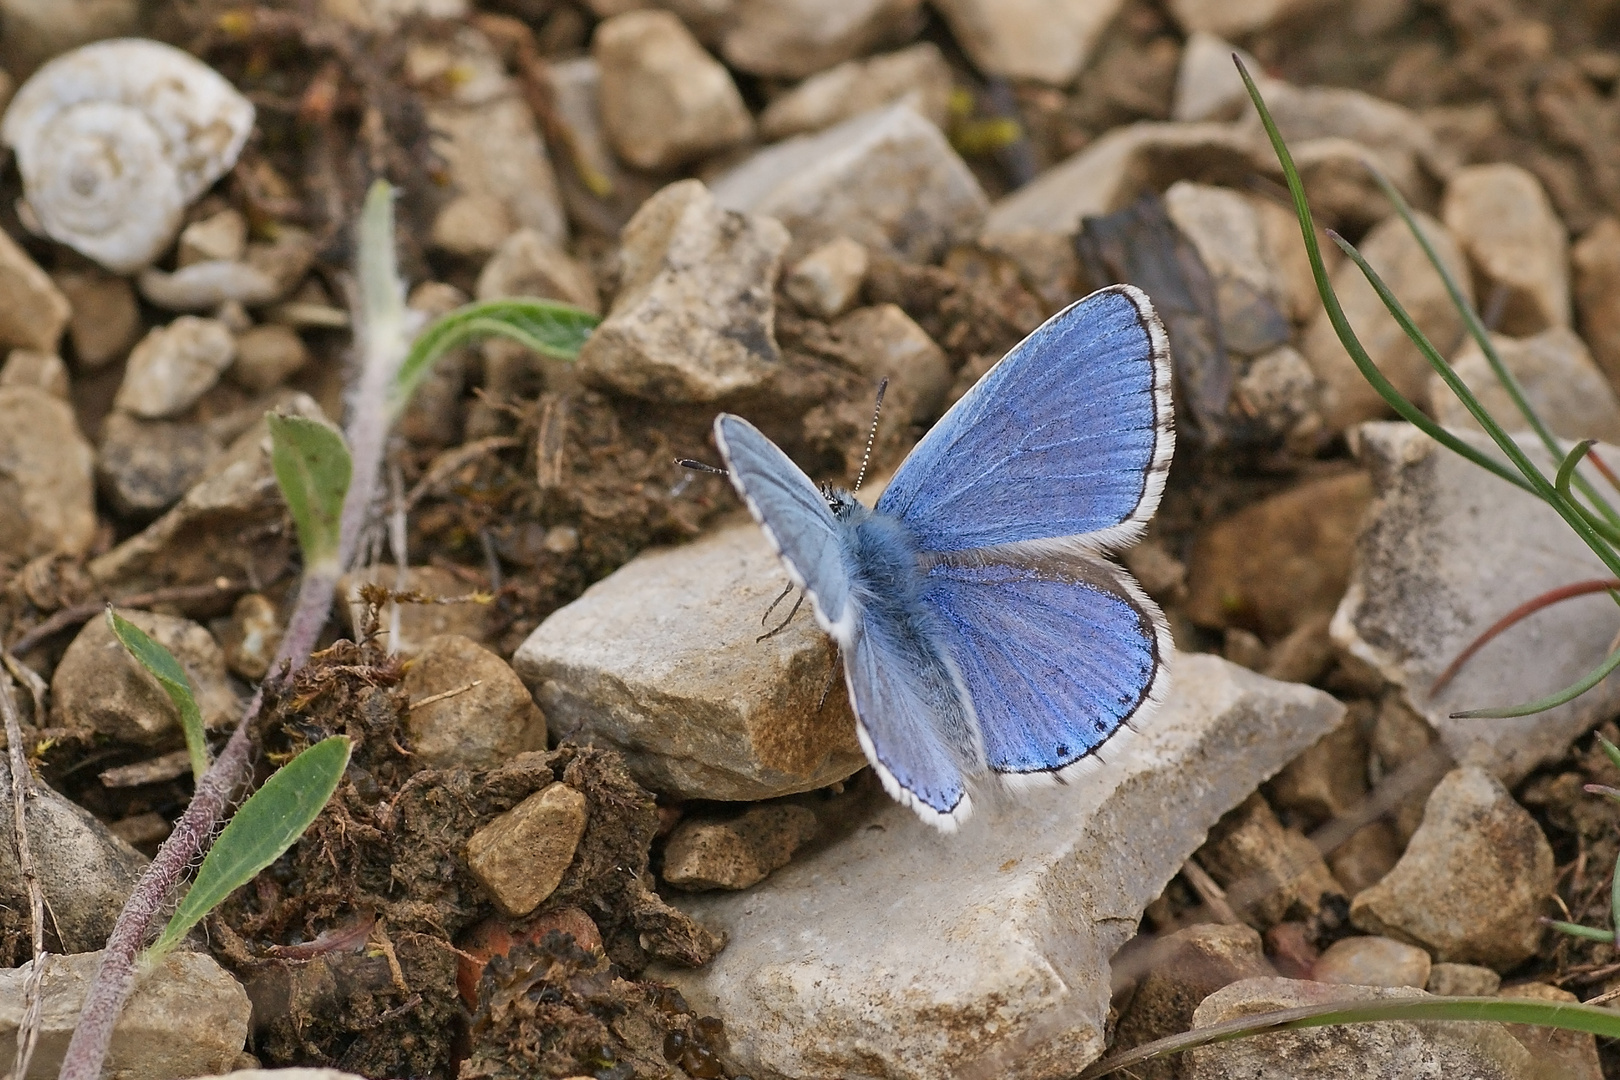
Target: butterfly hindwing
[1057,654]
[794,517]
[1069,435]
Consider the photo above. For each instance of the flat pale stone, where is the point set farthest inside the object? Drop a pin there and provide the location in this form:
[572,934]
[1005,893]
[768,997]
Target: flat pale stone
[659,661]
[827,281]
[1559,379]
[33,311]
[918,75]
[187,1017]
[887,178]
[1462,980]
[43,371]
[791,39]
[664,100]
[1373,961]
[174,365]
[1513,238]
[737,852]
[1429,578]
[902,953]
[521,856]
[46,483]
[1473,881]
[1421,1050]
[1110,173]
[1225,228]
[695,317]
[1390,249]
[483,715]
[1045,41]
[1208,86]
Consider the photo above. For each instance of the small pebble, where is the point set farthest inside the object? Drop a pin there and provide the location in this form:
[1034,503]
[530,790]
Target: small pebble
[521,856]
[1373,961]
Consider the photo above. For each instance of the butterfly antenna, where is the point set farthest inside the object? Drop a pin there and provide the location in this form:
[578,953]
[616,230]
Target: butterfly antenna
[871,436]
[698,466]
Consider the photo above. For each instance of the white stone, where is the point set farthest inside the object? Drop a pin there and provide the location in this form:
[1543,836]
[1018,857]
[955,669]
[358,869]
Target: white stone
[1045,41]
[1225,228]
[905,954]
[1208,86]
[695,316]
[887,178]
[790,39]
[1235,18]
[173,366]
[917,75]
[1559,379]
[660,661]
[664,100]
[1448,549]
[1110,173]
[1513,238]
[826,282]
[186,1017]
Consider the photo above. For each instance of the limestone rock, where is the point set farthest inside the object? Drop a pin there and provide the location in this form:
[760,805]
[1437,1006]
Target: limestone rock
[1475,877]
[1270,873]
[887,178]
[694,319]
[1279,393]
[886,344]
[1275,562]
[218,528]
[527,264]
[664,100]
[106,318]
[266,355]
[1326,781]
[659,660]
[828,280]
[42,371]
[917,75]
[1373,961]
[186,1017]
[99,686]
[1119,166]
[1559,379]
[1482,1051]
[1225,228]
[45,476]
[85,872]
[1045,41]
[1462,980]
[145,466]
[737,852]
[1428,580]
[33,311]
[1363,859]
[1014,917]
[791,39]
[484,714]
[175,365]
[1395,253]
[410,626]
[1208,86]
[1514,241]
[521,856]
[1596,265]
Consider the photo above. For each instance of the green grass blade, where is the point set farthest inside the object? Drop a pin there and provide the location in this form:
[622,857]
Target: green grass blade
[1614,898]
[1551,701]
[1590,933]
[545,326]
[1540,485]
[1566,468]
[1476,330]
[1610,751]
[1565,1016]
[267,824]
[313,470]
[1335,313]
[163,667]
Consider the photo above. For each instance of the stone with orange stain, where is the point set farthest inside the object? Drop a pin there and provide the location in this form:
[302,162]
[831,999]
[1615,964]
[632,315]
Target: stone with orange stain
[660,661]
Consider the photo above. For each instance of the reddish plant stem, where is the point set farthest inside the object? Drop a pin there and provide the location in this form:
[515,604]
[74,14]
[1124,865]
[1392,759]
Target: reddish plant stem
[1523,611]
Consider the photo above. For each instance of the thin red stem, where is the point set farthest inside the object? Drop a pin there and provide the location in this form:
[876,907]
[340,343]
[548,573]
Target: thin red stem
[1523,611]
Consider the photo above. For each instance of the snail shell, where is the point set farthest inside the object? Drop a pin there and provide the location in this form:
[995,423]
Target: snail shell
[115,139]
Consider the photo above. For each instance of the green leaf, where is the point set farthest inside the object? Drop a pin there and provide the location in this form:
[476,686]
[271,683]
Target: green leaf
[1590,933]
[313,470]
[545,326]
[1551,701]
[161,664]
[1565,1016]
[267,824]
[1610,751]
[382,296]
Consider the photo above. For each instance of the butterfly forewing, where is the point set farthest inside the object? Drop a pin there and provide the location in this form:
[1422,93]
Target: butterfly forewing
[1068,436]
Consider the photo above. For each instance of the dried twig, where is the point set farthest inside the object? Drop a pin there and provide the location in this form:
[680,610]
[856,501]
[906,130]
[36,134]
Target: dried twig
[70,617]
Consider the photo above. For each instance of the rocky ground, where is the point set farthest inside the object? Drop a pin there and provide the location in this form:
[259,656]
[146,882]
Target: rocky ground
[592,826]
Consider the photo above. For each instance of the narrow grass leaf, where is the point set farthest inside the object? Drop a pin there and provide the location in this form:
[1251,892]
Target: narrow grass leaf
[267,824]
[313,470]
[1551,701]
[545,326]
[1590,933]
[1566,468]
[1614,898]
[163,667]
[1566,1016]
[1610,751]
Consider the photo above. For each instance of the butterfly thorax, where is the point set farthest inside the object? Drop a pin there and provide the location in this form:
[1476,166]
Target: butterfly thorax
[881,555]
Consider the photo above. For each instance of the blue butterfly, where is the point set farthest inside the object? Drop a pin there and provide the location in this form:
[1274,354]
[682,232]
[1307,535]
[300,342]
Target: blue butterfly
[981,630]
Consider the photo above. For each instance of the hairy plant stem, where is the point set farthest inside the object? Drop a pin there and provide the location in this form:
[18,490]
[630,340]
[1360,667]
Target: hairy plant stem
[384,340]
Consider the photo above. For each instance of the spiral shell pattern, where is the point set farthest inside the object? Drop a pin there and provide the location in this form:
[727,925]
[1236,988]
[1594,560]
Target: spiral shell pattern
[115,139]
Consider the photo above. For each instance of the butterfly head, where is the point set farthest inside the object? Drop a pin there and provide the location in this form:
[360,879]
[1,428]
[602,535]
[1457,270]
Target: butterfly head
[843,504]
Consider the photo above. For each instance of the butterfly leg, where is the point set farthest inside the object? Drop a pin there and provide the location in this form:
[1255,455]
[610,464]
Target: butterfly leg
[779,627]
